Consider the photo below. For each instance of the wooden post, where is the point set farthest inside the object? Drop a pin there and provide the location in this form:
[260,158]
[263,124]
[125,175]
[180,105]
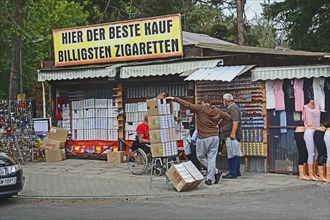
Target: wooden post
[43,99]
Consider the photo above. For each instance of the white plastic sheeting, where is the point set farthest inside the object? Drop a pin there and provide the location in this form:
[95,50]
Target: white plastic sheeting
[219,73]
[165,68]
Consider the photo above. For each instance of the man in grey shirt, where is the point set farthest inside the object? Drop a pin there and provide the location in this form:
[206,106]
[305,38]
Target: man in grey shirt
[233,131]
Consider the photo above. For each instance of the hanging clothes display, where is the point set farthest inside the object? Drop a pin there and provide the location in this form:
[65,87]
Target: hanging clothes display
[279,95]
[289,98]
[298,87]
[319,96]
[327,94]
[308,90]
[270,95]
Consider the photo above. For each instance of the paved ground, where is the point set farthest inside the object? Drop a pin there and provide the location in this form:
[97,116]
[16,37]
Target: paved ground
[77,178]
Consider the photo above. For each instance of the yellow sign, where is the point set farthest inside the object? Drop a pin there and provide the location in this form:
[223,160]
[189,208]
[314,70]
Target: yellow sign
[121,41]
[21,96]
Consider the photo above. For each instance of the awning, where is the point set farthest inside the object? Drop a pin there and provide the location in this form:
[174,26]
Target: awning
[78,73]
[290,72]
[219,73]
[165,68]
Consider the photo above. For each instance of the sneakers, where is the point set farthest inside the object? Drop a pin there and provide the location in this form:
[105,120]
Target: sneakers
[208,182]
[217,176]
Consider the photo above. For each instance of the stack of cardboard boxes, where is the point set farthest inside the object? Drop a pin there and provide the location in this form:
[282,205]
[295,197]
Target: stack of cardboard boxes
[184,176]
[55,144]
[161,128]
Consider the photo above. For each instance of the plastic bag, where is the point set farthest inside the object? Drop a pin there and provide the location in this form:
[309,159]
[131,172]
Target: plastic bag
[233,148]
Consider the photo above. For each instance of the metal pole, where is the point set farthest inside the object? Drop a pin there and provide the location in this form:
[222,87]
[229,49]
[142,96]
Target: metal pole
[20,69]
[43,99]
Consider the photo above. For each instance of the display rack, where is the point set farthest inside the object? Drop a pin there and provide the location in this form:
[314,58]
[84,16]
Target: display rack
[92,118]
[250,98]
[16,129]
[120,111]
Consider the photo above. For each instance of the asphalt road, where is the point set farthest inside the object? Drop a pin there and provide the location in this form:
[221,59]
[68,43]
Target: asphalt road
[293,203]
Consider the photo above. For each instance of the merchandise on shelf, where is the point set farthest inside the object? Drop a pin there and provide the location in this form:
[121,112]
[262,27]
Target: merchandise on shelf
[248,96]
[17,136]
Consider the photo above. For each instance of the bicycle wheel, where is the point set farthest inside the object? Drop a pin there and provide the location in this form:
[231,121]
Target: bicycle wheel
[137,162]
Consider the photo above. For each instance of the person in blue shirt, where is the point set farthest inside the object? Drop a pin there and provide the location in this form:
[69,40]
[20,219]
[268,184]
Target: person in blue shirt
[191,153]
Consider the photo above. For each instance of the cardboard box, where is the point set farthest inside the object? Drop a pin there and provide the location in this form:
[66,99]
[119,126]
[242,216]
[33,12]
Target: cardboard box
[157,150]
[154,107]
[154,136]
[55,155]
[56,139]
[52,144]
[195,173]
[180,177]
[58,134]
[154,122]
[116,157]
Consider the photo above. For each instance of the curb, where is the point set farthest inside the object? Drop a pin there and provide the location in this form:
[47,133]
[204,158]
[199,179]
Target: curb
[124,198]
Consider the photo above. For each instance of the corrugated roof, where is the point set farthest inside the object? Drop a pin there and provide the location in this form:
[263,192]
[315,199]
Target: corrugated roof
[247,49]
[219,73]
[290,72]
[165,68]
[190,38]
[78,73]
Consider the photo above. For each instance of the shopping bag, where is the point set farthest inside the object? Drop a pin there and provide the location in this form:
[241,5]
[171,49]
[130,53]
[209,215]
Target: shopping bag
[233,148]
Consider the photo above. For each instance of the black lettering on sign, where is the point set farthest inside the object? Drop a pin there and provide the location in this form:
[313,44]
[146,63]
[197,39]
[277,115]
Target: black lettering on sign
[72,37]
[90,53]
[142,48]
[112,32]
[158,27]
[60,56]
[135,49]
[118,54]
[147,48]
[124,31]
[97,34]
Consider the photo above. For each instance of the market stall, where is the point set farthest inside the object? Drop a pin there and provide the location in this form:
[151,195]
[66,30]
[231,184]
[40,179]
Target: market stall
[283,120]
[249,96]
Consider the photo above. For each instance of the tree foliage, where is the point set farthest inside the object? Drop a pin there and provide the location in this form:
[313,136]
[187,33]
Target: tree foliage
[40,17]
[306,23]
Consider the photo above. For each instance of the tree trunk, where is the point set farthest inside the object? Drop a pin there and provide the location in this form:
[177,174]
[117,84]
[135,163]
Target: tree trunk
[15,68]
[240,29]
[17,45]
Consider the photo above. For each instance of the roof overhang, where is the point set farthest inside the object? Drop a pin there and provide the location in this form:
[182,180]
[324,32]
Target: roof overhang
[78,73]
[290,72]
[218,73]
[164,69]
[258,50]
